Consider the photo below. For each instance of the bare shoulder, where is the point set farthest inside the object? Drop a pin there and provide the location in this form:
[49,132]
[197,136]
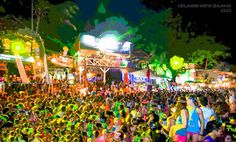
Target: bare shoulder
[199,110]
[184,111]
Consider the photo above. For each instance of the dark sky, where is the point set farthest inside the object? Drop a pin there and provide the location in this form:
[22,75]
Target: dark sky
[213,17]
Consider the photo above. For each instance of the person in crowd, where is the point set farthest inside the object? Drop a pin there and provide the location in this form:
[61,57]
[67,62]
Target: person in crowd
[194,131]
[61,113]
[213,130]
[228,138]
[230,127]
[207,111]
[179,131]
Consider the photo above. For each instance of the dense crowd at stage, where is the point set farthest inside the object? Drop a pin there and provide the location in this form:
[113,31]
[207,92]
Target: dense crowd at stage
[117,113]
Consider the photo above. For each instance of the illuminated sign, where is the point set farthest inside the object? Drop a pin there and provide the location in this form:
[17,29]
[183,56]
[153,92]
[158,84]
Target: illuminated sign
[13,58]
[63,61]
[106,43]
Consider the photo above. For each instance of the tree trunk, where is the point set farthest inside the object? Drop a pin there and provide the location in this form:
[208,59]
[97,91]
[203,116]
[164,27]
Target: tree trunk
[206,74]
[174,74]
[206,64]
[37,26]
[32,15]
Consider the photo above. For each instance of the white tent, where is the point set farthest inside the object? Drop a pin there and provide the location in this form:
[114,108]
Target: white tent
[142,73]
[140,76]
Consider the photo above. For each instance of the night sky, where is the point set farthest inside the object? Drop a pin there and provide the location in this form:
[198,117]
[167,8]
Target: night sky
[213,17]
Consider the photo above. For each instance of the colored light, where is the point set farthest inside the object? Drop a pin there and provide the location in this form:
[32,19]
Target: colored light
[124,63]
[126,46]
[176,62]
[88,40]
[39,63]
[108,42]
[30,59]
[18,47]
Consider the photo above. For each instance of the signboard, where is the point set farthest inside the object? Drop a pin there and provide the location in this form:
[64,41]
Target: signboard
[63,61]
[13,58]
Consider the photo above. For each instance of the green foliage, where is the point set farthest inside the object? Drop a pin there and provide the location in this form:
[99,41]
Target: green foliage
[61,29]
[2,9]
[102,9]
[41,5]
[42,8]
[184,44]
[154,29]
[207,58]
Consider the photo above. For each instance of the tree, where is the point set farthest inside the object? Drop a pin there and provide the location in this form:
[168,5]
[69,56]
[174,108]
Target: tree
[199,49]
[154,30]
[179,41]
[206,58]
[41,11]
[185,44]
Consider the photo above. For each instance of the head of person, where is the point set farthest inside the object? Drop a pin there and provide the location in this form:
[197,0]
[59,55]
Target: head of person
[214,127]
[232,118]
[203,101]
[228,138]
[232,104]
[191,100]
[180,104]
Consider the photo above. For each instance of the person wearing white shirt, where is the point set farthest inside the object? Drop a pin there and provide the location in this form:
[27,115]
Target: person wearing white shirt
[207,111]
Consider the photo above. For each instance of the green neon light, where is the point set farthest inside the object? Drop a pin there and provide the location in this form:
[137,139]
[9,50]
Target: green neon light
[176,62]
[18,47]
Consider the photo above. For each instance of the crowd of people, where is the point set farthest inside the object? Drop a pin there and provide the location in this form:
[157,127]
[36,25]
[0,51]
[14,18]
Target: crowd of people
[62,112]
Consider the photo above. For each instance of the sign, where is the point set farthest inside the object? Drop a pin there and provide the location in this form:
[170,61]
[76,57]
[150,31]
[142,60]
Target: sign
[63,61]
[13,58]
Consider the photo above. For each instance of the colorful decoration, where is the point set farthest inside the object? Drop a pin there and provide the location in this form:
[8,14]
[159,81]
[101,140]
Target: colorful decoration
[126,76]
[6,43]
[148,72]
[18,47]
[176,62]
[124,63]
[65,50]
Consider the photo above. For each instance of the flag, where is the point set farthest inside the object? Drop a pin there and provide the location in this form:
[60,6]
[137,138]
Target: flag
[148,72]
[126,76]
